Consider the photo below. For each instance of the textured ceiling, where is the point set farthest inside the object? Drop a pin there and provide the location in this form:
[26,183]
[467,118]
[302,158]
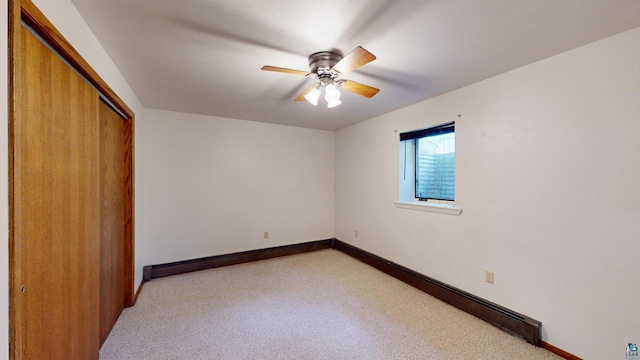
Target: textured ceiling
[204,56]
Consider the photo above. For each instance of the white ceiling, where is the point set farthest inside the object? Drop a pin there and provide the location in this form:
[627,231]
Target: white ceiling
[204,56]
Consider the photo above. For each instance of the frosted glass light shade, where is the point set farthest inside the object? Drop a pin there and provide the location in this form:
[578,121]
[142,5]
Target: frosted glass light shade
[332,95]
[313,96]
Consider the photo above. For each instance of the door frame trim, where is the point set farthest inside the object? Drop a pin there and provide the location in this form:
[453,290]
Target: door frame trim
[25,10]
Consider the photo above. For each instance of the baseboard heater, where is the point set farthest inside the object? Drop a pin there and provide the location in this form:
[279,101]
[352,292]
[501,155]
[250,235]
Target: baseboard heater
[505,319]
[180,267]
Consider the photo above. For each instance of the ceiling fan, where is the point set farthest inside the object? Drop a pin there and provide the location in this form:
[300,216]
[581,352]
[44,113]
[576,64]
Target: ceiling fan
[326,67]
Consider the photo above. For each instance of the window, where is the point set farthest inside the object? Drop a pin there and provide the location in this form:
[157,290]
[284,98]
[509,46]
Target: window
[435,164]
[427,168]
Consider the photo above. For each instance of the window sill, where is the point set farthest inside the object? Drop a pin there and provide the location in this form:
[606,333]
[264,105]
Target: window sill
[435,208]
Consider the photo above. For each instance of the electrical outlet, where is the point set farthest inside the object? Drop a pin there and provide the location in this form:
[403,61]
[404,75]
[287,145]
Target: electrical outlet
[488,276]
[356,233]
[266,235]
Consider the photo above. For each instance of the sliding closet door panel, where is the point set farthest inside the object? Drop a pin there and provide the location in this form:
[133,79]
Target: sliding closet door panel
[111,219]
[57,219]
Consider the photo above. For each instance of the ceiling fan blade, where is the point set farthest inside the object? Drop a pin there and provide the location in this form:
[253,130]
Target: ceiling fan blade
[301,96]
[360,89]
[353,60]
[284,70]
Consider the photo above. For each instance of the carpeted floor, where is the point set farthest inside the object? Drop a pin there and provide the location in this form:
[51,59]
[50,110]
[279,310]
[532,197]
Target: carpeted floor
[320,305]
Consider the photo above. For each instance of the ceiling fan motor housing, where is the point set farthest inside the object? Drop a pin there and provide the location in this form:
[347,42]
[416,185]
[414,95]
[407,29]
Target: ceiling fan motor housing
[321,63]
[327,67]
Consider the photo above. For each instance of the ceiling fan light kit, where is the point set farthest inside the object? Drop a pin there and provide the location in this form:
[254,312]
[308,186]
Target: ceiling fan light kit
[332,95]
[331,92]
[326,67]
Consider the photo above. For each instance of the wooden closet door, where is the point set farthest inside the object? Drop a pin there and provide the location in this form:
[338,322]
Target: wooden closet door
[112,194]
[56,225]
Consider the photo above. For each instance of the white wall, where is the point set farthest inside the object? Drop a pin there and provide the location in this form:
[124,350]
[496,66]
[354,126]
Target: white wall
[68,21]
[547,174]
[214,185]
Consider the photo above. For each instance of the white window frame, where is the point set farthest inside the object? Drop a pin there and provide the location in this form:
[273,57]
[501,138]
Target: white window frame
[406,185]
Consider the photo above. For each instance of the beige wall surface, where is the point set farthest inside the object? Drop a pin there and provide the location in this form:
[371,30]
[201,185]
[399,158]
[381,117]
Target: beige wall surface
[547,174]
[547,167]
[215,185]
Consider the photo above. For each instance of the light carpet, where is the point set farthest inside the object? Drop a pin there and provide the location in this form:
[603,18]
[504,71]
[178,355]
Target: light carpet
[319,305]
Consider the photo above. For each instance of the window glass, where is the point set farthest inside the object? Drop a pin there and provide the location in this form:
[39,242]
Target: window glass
[435,167]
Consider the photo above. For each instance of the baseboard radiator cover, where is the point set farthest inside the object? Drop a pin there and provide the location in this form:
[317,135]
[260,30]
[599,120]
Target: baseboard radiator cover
[506,319]
[499,316]
[180,267]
